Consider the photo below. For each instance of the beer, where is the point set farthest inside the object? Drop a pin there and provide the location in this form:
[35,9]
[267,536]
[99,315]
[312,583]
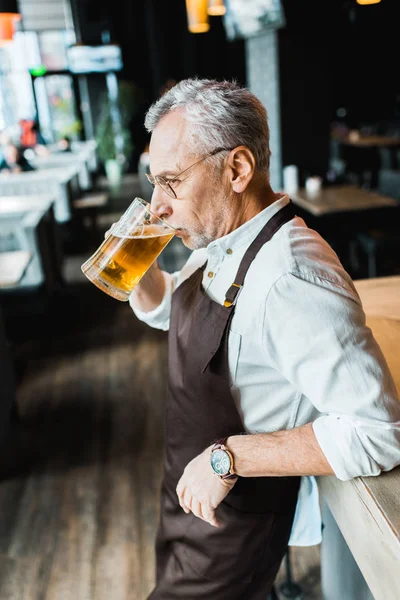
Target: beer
[121,261]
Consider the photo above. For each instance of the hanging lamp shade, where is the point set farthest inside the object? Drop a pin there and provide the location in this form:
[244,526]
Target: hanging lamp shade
[368,2]
[197,16]
[216,8]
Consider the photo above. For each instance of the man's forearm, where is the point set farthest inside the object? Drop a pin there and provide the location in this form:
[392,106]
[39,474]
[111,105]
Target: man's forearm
[282,453]
[149,292]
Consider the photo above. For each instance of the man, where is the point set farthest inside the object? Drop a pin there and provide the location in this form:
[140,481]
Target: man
[273,374]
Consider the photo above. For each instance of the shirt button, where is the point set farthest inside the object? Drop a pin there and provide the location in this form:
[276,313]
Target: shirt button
[210,274]
[229,251]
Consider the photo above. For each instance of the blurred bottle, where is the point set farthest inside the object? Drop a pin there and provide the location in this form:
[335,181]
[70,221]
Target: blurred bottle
[290,179]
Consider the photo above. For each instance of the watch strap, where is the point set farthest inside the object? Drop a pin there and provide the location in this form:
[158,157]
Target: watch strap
[220,445]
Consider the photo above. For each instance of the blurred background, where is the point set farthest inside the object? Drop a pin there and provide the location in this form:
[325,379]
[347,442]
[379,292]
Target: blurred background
[82,382]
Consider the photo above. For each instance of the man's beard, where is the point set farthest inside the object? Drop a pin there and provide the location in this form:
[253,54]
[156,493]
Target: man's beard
[197,240]
[201,239]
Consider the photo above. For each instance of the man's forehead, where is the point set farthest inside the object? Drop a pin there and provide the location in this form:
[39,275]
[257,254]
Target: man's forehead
[168,145]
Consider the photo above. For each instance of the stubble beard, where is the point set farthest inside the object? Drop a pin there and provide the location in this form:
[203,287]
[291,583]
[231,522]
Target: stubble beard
[196,239]
[201,239]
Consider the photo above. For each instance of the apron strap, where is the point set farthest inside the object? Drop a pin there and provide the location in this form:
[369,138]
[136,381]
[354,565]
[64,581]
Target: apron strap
[280,218]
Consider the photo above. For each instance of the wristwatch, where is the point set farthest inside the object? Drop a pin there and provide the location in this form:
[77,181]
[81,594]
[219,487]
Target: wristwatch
[221,460]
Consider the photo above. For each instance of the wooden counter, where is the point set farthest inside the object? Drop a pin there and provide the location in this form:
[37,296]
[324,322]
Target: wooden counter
[367,509]
[336,199]
[381,301]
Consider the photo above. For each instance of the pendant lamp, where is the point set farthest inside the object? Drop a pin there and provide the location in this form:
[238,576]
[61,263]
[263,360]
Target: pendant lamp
[197,16]
[216,8]
[9,16]
[364,2]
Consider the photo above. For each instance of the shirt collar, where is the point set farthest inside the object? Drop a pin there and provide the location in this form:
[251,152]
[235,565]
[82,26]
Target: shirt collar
[247,232]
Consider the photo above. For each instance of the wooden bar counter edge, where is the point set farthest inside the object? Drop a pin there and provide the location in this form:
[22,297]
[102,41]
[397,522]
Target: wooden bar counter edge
[367,509]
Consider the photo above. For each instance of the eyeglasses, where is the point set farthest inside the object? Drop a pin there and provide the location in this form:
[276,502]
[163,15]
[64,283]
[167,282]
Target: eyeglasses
[167,184]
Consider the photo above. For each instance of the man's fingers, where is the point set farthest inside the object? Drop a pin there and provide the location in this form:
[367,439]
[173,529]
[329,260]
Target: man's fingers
[206,514]
[180,491]
[197,510]
[187,502]
[209,516]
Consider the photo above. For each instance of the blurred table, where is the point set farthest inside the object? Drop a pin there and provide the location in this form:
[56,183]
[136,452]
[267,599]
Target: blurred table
[336,199]
[20,204]
[61,183]
[67,159]
[13,266]
[364,155]
[27,223]
[370,141]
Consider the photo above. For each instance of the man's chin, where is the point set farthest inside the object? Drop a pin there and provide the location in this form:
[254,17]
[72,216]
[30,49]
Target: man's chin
[191,242]
[186,241]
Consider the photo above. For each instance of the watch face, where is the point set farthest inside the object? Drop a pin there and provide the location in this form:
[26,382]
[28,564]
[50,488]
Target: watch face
[220,462]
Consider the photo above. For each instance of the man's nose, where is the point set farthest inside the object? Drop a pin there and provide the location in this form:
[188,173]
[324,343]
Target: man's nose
[160,204]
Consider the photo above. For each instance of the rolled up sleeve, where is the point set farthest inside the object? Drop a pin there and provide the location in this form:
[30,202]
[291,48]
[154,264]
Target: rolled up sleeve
[316,336]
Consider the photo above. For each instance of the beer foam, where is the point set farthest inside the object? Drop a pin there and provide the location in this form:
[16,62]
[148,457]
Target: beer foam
[141,237]
[146,232]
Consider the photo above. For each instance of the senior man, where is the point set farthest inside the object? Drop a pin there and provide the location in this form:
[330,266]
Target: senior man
[273,374]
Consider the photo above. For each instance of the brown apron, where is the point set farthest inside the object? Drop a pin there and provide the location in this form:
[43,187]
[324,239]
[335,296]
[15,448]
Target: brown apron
[240,559]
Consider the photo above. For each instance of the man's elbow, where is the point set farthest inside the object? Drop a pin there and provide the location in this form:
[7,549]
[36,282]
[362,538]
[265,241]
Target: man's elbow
[381,452]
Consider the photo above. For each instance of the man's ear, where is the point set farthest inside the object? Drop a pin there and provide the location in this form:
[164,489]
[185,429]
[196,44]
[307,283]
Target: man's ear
[241,165]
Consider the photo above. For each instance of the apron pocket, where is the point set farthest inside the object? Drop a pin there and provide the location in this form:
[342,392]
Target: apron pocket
[231,552]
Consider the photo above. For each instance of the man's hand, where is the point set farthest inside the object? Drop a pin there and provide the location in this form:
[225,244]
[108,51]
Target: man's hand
[200,490]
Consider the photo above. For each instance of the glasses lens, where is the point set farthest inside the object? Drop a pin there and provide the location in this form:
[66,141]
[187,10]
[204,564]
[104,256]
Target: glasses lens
[165,187]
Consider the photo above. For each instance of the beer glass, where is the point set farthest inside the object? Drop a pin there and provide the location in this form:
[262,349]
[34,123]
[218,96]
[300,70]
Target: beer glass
[129,250]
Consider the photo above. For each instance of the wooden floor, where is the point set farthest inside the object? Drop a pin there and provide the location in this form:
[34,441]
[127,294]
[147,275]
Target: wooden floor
[79,521]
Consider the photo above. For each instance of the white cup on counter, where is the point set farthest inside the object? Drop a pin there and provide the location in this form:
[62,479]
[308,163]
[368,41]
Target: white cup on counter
[290,179]
[313,185]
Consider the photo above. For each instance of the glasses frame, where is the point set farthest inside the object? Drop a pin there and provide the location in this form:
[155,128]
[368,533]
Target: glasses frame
[165,184]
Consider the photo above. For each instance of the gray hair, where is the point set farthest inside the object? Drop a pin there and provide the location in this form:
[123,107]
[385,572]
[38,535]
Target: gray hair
[222,114]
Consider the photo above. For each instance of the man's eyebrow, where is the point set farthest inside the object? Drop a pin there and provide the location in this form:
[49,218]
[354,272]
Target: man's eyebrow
[170,173]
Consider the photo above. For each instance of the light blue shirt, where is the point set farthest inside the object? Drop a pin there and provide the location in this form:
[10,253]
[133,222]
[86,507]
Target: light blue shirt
[299,351]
